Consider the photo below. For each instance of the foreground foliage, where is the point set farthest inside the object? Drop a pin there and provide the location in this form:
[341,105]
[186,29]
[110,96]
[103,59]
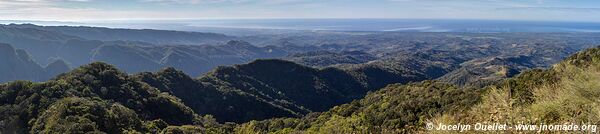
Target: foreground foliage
[394,109]
[566,93]
[97,98]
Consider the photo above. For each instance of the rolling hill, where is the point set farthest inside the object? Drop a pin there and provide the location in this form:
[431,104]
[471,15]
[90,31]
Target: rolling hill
[281,86]
[326,83]
[566,92]
[99,98]
[158,37]
[195,53]
[85,99]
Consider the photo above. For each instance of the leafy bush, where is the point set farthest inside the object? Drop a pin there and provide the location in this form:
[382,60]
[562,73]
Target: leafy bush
[396,108]
[92,97]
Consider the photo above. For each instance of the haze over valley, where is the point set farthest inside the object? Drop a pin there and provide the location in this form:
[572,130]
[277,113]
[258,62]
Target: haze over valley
[196,53]
[296,66]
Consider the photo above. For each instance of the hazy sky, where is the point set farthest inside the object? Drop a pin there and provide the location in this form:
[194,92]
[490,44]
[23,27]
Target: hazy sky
[78,10]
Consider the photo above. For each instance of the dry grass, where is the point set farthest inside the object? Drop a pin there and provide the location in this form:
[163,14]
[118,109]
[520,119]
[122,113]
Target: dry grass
[575,98]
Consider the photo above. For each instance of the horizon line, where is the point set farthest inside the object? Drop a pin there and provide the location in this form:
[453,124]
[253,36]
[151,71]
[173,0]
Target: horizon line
[315,18]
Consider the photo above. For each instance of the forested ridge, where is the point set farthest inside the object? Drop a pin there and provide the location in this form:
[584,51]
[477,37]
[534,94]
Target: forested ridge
[100,98]
[102,80]
[276,88]
[95,97]
[567,92]
[196,53]
[87,98]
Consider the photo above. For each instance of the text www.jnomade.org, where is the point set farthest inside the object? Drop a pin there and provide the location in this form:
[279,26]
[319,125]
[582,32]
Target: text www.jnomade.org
[566,127]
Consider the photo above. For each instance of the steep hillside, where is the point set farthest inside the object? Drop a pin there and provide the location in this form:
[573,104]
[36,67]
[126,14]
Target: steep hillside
[412,66]
[39,43]
[92,98]
[218,99]
[393,109]
[567,92]
[100,98]
[53,69]
[328,87]
[193,60]
[18,65]
[132,50]
[88,98]
[150,50]
[47,46]
[277,88]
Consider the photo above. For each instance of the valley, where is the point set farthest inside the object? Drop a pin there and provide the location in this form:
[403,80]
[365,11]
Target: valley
[60,79]
[299,66]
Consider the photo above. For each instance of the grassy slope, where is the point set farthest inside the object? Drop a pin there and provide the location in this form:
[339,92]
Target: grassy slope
[566,93]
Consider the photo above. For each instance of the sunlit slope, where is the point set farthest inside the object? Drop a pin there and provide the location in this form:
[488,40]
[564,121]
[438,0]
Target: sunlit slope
[567,92]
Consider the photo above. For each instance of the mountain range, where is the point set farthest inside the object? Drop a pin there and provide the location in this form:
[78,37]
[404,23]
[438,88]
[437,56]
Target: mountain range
[100,98]
[195,53]
[64,79]
[18,65]
[261,89]
[546,96]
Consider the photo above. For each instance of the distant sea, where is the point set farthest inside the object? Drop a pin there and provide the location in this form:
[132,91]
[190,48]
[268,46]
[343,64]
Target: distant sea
[348,25]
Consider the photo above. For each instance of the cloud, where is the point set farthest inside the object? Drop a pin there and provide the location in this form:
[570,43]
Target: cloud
[565,9]
[540,1]
[20,4]
[55,10]
[41,10]
[63,10]
[196,1]
[227,1]
[401,0]
[177,1]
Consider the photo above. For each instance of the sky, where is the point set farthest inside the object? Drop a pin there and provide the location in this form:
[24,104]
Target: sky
[98,10]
